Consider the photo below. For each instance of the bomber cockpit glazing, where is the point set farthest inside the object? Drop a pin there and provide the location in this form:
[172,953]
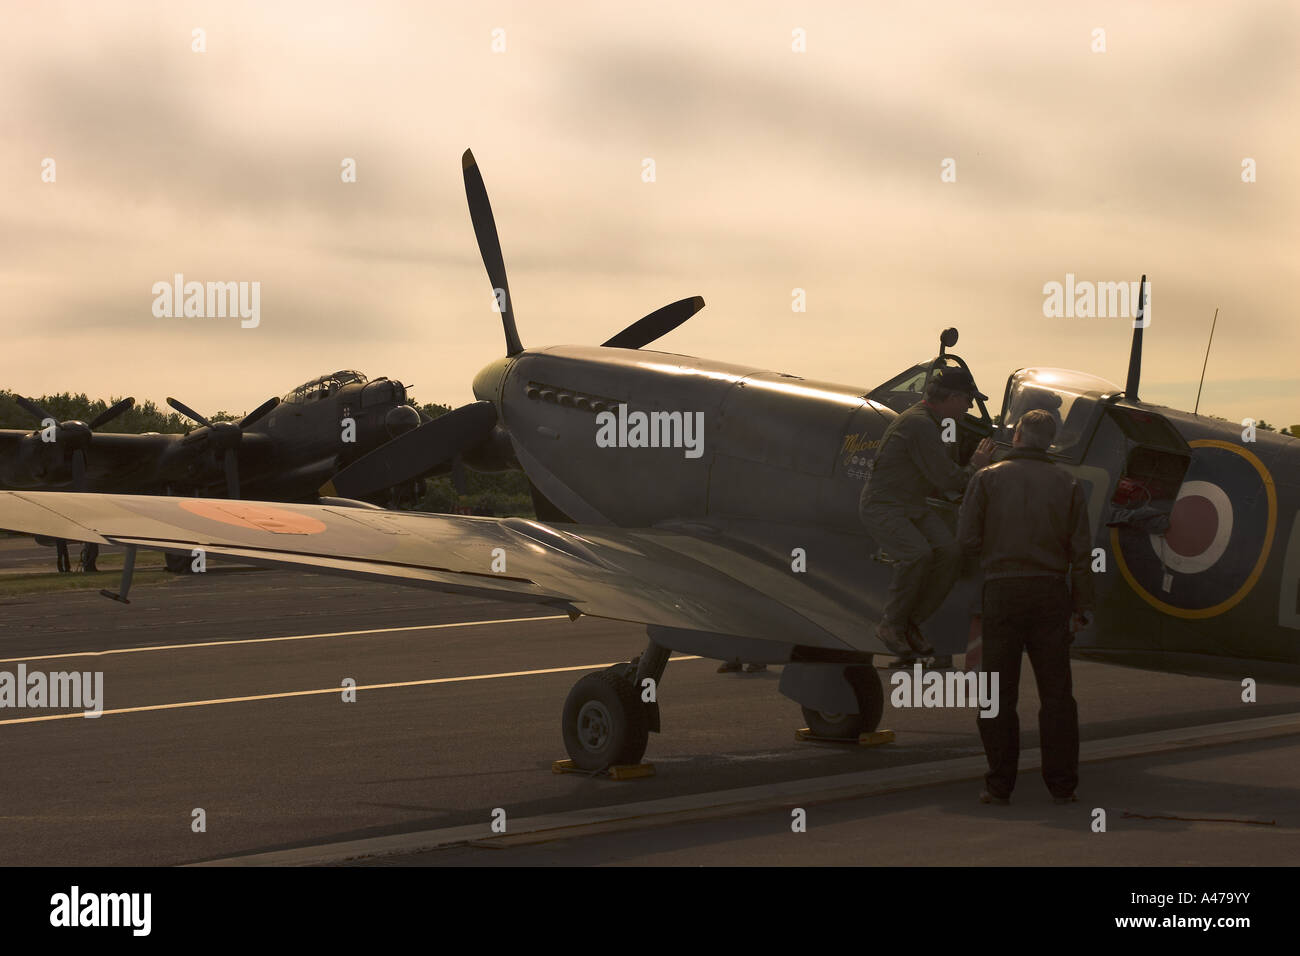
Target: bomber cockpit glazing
[323,387]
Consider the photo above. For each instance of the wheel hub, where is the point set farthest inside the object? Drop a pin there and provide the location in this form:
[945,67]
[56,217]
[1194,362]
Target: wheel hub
[594,725]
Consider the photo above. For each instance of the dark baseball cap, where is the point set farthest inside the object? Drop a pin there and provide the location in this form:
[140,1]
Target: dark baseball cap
[957,379]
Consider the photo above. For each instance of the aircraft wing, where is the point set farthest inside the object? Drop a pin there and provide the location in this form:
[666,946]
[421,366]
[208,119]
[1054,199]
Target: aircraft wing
[114,459]
[672,578]
[109,442]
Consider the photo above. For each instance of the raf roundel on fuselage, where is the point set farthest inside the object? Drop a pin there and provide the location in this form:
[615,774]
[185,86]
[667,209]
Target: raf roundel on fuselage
[1221,531]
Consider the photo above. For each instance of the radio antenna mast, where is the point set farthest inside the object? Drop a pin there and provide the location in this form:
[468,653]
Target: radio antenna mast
[1206,362]
[1135,353]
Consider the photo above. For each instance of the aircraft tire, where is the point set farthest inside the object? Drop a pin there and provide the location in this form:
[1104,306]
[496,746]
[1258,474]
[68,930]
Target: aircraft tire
[604,722]
[871,705]
[177,563]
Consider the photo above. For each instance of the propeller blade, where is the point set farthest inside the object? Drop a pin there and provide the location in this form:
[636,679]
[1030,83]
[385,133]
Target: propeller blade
[33,409]
[232,473]
[78,470]
[106,416]
[188,412]
[658,323]
[416,453]
[258,412]
[489,246]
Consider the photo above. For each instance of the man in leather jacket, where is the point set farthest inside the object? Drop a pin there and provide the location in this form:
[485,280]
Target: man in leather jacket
[1027,520]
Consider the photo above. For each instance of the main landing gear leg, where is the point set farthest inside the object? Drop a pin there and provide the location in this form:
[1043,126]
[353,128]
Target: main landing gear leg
[607,720]
[650,666]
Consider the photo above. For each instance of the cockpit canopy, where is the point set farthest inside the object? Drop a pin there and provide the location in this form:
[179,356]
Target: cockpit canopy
[1069,397]
[322,387]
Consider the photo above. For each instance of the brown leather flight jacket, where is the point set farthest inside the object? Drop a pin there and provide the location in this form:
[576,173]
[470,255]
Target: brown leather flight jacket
[1026,517]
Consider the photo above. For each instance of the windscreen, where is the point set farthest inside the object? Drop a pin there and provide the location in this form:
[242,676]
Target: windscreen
[1069,397]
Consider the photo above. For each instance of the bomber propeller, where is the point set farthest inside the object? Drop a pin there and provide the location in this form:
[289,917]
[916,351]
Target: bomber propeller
[73,437]
[419,452]
[416,453]
[223,438]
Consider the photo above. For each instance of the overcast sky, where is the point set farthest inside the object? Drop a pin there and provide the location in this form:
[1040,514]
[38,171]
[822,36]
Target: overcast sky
[774,170]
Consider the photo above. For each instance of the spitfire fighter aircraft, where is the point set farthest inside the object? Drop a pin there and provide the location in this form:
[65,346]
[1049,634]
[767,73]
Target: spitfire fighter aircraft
[717,504]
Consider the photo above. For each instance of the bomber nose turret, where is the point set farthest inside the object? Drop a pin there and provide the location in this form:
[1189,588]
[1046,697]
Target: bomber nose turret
[401,419]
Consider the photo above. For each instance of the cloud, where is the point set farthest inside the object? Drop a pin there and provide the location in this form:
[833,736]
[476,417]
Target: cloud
[775,170]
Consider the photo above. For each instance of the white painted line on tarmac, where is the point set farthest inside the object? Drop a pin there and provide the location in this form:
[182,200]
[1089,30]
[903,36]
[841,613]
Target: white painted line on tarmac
[81,715]
[291,637]
[693,807]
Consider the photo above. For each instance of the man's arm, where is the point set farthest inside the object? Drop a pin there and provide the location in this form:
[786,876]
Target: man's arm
[1080,551]
[931,458]
[970,522]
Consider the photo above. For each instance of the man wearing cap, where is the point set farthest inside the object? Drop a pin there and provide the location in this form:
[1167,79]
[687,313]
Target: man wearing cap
[912,463]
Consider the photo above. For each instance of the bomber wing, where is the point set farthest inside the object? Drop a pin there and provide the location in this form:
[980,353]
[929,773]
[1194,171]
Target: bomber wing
[115,460]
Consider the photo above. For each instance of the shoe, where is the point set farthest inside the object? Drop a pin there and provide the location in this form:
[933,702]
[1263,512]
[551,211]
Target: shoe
[894,639]
[917,641]
[728,667]
[1062,800]
[755,668]
[987,797]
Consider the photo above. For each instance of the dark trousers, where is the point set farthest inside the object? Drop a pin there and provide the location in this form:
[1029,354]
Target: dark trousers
[1030,614]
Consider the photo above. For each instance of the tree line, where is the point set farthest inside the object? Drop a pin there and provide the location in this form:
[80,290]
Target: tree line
[505,493]
[65,406]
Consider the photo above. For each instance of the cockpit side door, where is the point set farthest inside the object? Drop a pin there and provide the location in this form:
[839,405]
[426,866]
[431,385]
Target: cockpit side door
[1149,458]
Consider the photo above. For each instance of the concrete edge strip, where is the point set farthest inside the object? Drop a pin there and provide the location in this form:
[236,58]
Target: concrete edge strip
[702,806]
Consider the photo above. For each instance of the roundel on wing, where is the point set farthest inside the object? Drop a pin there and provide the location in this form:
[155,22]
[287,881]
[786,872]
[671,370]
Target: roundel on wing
[244,514]
[1220,531]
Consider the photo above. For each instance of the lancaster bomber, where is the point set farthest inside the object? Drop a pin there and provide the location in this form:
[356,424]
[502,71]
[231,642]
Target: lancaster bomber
[753,548]
[283,450]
